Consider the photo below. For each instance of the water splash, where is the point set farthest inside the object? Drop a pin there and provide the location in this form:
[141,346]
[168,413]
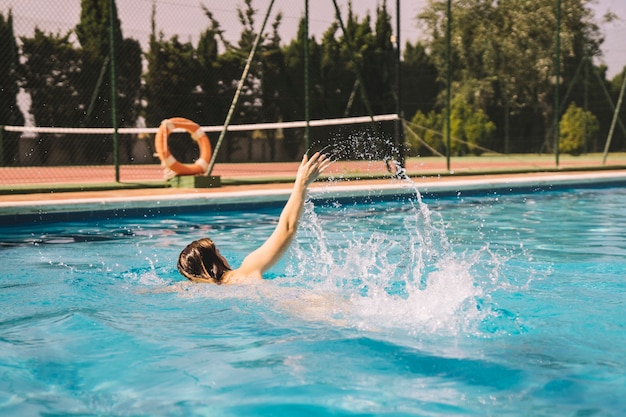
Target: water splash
[400,274]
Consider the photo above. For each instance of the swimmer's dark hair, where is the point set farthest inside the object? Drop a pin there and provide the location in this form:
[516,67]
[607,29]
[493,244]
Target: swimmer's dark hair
[201,262]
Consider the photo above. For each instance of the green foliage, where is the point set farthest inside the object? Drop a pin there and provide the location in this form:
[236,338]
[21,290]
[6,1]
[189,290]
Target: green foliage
[51,74]
[469,127]
[171,80]
[578,128]
[10,113]
[419,78]
[506,51]
[51,71]
[502,65]
[428,128]
[93,30]
[9,67]
[70,85]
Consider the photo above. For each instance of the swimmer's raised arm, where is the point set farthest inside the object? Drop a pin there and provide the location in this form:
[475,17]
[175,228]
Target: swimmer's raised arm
[201,261]
[275,246]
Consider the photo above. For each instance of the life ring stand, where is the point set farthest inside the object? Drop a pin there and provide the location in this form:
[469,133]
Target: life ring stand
[201,165]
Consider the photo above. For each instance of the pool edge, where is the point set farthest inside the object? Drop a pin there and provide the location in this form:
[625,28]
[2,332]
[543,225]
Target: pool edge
[44,210]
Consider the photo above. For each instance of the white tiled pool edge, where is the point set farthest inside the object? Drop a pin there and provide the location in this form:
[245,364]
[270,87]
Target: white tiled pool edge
[332,190]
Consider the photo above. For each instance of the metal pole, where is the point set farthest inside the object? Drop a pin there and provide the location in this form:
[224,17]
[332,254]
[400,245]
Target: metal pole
[233,104]
[557,77]
[1,146]
[507,112]
[96,91]
[448,77]
[615,116]
[586,102]
[398,124]
[116,161]
[307,140]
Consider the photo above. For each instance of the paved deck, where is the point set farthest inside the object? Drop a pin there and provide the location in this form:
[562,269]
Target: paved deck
[33,178]
[123,198]
[253,182]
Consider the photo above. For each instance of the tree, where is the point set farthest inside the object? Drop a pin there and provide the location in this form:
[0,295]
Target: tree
[371,56]
[171,88]
[426,130]
[578,128]
[335,81]
[619,136]
[272,85]
[469,127]
[379,62]
[507,51]
[213,108]
[420,85]
[293,84]
[50,71]
[171,78]
[93,32]
[94,35]
[294,76]
[10,113]
[233,60]
[51,66]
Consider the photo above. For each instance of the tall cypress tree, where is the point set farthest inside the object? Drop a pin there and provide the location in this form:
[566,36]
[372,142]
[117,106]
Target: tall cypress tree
[273,89]
[171,79]
[212,108]
[420,84]
[293,85]
[10,113]
[93,32]
[50,70]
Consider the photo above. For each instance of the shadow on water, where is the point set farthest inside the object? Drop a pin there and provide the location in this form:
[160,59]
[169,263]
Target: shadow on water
[67,238]
[395,359]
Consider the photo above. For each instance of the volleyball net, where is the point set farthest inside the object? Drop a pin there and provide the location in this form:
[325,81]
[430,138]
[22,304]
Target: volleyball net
[85,155]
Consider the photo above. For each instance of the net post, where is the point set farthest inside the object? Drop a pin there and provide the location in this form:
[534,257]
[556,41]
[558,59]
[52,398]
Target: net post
[399,125]
[448,80]
[116,161]
[307,140]
[1,145]
[557,77]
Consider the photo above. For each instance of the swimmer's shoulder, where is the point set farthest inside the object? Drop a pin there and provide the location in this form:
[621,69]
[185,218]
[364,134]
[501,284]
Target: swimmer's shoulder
[242,277]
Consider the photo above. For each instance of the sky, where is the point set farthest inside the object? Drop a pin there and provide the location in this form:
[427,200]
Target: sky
[186,18]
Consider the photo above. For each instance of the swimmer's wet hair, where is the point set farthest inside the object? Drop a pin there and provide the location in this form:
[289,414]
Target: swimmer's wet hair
[201,262]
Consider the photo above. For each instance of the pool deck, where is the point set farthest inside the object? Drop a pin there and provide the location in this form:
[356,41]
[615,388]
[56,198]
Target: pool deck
[21,207]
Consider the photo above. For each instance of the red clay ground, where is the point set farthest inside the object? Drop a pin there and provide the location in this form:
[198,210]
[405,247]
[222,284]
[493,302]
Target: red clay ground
[423,166]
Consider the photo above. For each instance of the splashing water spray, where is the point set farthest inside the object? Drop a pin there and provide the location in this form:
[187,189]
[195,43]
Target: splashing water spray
[400,275]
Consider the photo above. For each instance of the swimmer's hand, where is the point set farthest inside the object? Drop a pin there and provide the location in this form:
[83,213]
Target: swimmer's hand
[310,169]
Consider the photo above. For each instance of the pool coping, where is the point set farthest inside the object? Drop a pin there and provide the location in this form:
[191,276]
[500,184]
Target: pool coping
[44,208]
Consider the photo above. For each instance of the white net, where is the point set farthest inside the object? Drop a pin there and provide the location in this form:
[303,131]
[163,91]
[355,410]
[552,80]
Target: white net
[46,158]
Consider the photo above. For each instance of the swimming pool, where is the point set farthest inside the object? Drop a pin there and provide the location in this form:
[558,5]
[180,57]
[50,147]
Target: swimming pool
[495,304]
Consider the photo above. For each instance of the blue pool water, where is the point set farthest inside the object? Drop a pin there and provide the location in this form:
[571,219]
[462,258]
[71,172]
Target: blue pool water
[502,305]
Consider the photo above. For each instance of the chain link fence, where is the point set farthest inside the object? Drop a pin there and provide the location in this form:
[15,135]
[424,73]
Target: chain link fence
[487,83]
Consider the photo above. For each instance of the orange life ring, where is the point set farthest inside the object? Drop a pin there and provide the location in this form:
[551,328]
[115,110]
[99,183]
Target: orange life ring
[201,165]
